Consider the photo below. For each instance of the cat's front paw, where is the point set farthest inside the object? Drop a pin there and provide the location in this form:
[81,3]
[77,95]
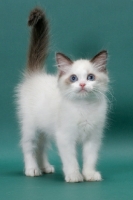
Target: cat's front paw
[92,176]
[48,169]
[74,177]
[33,172]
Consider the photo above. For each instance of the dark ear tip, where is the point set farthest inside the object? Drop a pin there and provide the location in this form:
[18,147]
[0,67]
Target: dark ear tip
[59,54]
[60,57]
[104,51]
[100,60]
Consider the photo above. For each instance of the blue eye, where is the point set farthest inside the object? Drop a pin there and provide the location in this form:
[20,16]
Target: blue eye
[73,78]
[91,77]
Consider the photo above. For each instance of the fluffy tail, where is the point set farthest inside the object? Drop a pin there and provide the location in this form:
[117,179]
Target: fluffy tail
[39,40]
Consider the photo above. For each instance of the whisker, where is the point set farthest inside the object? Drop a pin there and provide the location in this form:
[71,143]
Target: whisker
[111,94]
[68,93]
[102,95]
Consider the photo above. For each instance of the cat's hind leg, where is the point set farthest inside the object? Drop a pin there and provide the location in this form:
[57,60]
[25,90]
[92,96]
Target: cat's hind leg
[29,143]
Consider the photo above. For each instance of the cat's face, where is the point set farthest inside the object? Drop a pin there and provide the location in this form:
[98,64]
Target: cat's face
[83,79]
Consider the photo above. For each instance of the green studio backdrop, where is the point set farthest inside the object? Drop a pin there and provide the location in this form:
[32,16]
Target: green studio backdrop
[80,29]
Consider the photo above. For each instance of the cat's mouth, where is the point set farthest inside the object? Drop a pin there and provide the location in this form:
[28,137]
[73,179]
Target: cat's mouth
[83,90]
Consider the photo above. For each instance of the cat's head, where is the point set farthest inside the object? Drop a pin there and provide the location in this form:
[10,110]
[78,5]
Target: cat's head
[83,79]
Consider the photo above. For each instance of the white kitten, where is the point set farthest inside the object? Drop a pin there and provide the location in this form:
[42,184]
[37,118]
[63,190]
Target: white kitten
[70,106]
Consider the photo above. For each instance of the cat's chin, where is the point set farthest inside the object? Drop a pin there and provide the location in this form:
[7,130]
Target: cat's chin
[85,95]
[80,95]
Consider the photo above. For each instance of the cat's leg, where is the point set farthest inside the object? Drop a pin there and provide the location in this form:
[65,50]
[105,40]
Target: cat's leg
[67,151]
[45,166]
[29,143]
[90,155]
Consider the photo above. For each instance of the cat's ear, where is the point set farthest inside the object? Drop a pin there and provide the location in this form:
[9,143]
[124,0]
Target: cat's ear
[63,62]
[100,61]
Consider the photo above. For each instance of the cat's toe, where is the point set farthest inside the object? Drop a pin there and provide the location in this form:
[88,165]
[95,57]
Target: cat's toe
[74,177]
[49,169]
[92,176]
[33,172]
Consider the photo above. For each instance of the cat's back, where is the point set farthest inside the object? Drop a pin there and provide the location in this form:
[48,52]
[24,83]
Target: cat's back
[38,95]
[36,84]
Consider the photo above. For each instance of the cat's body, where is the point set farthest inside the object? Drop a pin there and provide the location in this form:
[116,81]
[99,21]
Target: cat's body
[69,107]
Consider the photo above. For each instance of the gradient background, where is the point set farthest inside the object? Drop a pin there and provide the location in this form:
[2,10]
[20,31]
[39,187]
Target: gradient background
[78,29]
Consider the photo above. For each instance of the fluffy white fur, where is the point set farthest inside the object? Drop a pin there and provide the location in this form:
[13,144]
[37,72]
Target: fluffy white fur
[50,106]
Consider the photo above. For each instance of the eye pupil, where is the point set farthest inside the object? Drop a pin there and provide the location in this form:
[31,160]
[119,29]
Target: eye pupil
[73,78]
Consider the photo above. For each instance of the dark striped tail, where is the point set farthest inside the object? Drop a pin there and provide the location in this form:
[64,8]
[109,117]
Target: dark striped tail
[39,40]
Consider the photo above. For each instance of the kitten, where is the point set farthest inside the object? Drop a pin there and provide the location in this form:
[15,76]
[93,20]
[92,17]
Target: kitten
[71,107]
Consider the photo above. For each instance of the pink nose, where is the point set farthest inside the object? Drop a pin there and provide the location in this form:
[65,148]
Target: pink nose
[82,85]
